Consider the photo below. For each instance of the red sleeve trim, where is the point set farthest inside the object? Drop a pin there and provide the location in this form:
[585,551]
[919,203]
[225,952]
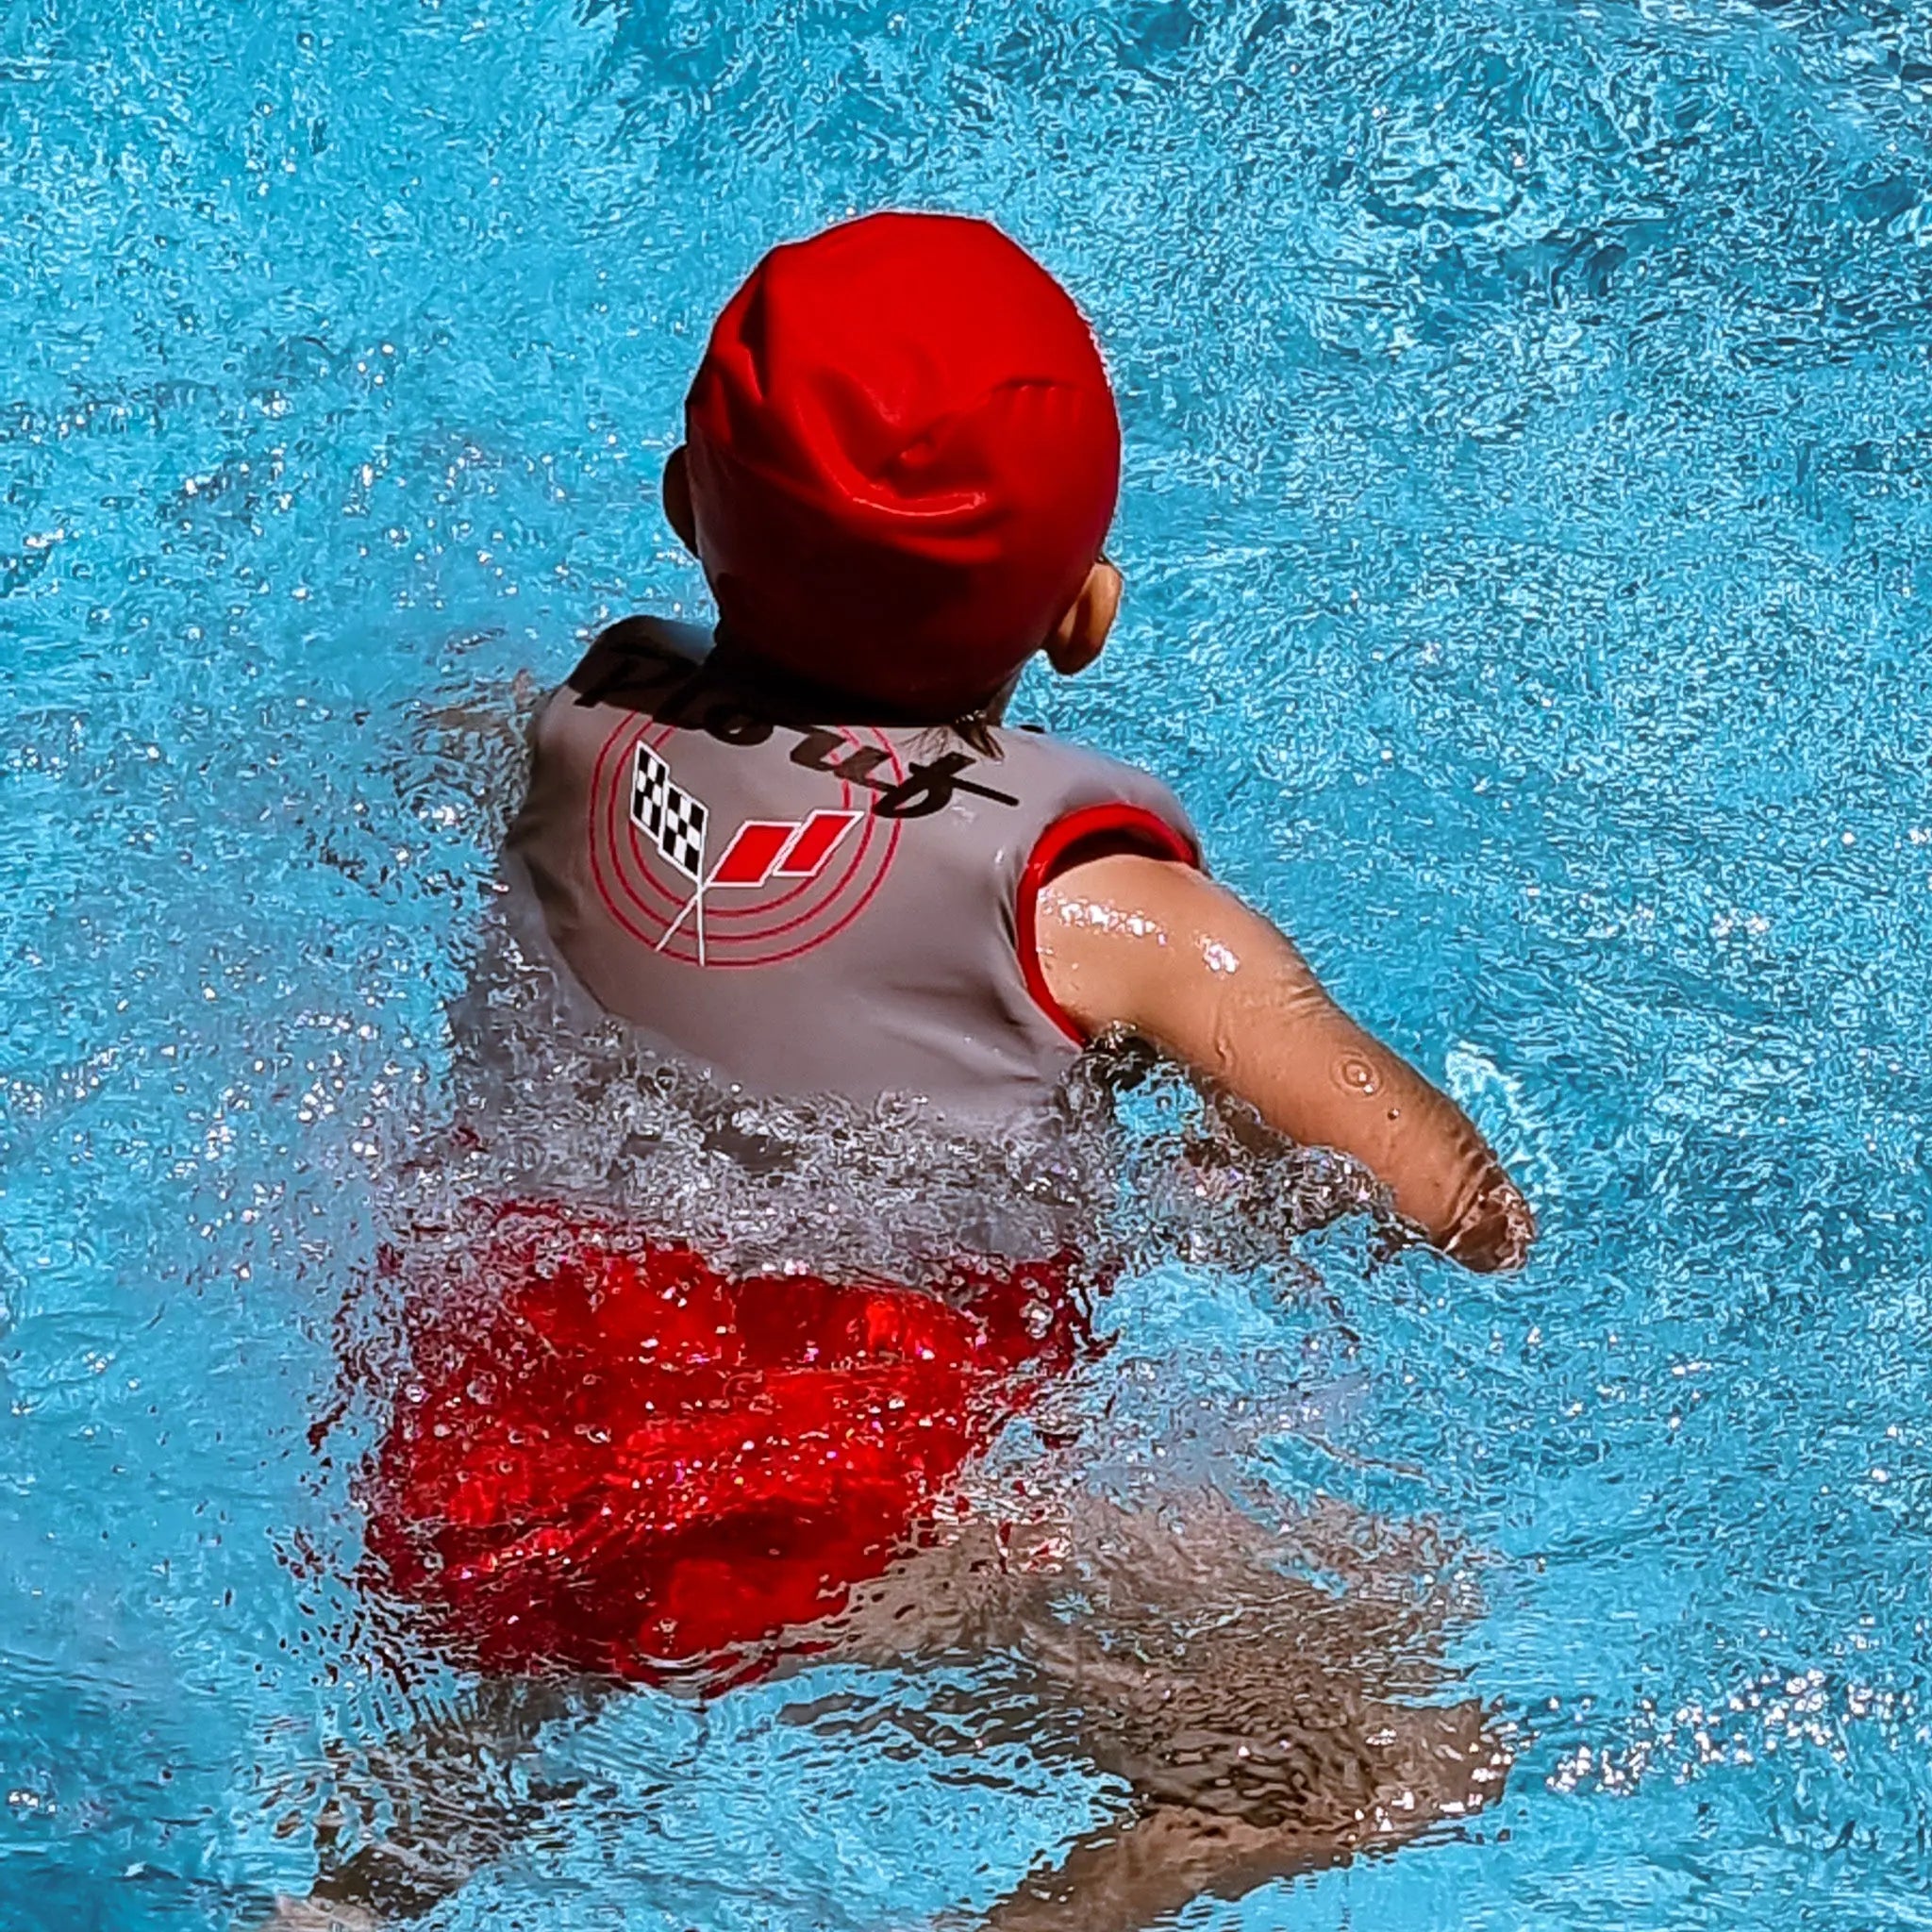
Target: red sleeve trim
[1109,827]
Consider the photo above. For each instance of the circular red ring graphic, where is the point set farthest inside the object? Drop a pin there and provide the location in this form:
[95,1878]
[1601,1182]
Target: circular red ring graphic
[649,864]
[759,925]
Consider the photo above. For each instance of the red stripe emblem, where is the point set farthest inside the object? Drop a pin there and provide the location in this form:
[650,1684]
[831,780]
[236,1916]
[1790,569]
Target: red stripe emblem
[818,839]
[761,849]
[755,849]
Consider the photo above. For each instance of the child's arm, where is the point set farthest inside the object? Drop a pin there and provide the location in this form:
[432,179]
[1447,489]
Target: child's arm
[1159,948]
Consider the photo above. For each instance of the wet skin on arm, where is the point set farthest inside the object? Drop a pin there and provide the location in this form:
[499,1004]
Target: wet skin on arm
[1157,947]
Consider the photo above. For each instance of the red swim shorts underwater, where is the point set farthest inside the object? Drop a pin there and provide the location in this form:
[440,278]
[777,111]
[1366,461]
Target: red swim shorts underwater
[608,1455]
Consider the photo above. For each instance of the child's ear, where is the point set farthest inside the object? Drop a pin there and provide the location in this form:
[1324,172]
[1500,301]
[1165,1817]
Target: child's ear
[1080,636]
[677,510]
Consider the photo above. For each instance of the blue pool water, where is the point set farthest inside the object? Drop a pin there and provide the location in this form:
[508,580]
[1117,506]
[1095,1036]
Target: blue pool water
[1527,532]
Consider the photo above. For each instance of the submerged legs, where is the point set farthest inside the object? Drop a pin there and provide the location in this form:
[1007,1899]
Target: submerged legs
[457,1793]
[1263,1726]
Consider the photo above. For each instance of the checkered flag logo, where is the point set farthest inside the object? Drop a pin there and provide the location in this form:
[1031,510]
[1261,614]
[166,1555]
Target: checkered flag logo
[667,814]
[760,849]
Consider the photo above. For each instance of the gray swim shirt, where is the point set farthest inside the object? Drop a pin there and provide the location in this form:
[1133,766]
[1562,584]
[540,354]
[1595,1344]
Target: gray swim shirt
[803,905]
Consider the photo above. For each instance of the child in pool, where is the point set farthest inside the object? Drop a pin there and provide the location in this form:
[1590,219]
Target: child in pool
[807,855]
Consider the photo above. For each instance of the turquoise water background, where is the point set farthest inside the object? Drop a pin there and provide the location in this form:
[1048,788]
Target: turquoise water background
[1527,527]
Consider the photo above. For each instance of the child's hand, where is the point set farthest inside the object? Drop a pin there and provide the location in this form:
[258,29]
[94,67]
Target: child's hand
[1155,946]
[1496,1232]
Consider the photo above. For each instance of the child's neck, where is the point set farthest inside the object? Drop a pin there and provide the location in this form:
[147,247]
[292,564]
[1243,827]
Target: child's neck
[807,696]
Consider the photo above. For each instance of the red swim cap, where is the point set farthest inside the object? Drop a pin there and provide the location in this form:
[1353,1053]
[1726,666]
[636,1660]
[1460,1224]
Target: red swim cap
[904,457]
